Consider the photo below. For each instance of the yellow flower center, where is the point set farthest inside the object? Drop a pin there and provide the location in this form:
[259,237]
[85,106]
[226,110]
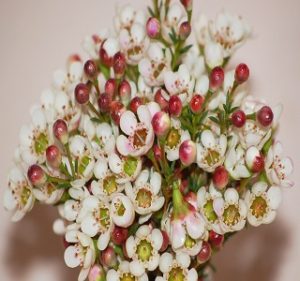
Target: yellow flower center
[41,143]
[109,184]
[144,198]
[173,138]
[176,274]
[144,250]
[139,137]
[231,215]
[259,207]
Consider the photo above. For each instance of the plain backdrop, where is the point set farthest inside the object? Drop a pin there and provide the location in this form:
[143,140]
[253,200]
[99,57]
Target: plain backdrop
[37,36]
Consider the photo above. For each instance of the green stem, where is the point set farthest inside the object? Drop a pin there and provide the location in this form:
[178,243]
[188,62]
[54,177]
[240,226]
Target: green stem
[94,110]
[57,180]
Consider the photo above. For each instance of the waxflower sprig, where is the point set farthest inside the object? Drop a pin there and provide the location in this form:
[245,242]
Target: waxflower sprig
[151,149]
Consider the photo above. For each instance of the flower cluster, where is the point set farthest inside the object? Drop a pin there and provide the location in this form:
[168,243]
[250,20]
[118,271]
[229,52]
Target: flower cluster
[150,148]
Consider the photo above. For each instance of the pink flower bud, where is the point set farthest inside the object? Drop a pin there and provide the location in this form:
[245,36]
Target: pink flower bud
[205,253]
[125,92]
[110,87]
[153,27]
[135,103]
[53,156]
[36,175]
[254,159]
[220,177]
[216,78]
[187,152]
[161,123]
[96,273]
[108,257]
[216,239]
[242,73]
[104,102]
[196,103]
[90,69]
[119,235]
[157,152]
[188,4]
[105,58]
[265,116]
[119,64]
[175,106]
[166,241]
[185,30]
[60,131]
[160,99]
[116,110]
[82,93]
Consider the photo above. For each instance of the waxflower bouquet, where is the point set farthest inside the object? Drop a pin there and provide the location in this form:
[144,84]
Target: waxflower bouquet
[150,148]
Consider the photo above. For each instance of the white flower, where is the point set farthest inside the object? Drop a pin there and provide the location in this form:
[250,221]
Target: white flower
[127,16]
[66,80]
[207,200]
[123,273]
[35,138]
[107,183]
[140,135]
[127,168]
[235,160]
[262,203]
[213,53]
[67,109]
[211,151]
[145,194]
[96,219]
[48,193]
[122,210]
[155,64]
[174,139]
[80,253]
[201,30]
[171,19]
[109,48]
[134,43]
[81,150]
[143,250]
[143,91]
[278,168]
[232,211]
[195,62]
[180,83]
[176,268]
[230,31]
[18,196]
[92,44]
[252,134]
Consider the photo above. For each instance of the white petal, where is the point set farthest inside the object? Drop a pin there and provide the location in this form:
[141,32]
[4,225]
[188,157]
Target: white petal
[124,146]
[275,196]
[103,241]
[155,182]
[128,122]
[157,238]
[136,268]
[208,139]
[143,231]
[71,258]
[183,259]
[231,196]
[112,275]
[130,245]
[144,114]
[153,263]
[142,178]
[165,262]
[90,226]
[192,275]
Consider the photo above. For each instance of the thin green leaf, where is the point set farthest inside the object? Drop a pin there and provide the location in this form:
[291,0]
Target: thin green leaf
[185,49]
[151,12]
[214,119]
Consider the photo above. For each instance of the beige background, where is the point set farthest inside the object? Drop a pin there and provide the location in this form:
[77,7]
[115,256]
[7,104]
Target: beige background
[37,36]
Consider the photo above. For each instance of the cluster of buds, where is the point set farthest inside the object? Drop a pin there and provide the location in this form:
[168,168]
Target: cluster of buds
[151,149]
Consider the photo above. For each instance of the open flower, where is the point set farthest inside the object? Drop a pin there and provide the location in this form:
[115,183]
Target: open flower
[232,211]
[176,268]
[123,274]
[155,64]
[107,183]
[230,31]
[81,150]
[92,44]
[207,200]
[134,43]
[122,210]
[180,83]
[127,16]
[66,80]
[35,138]
[252,134]
[235,160]
[143,250]
[140,135]
[278,168]
[211,151]
[195,62]
[262,203]
[127,168]
[145,194]
[80,253]
[48,193]
[95,217]
[184,223]
[171,19]
[18,197]
[174,139]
